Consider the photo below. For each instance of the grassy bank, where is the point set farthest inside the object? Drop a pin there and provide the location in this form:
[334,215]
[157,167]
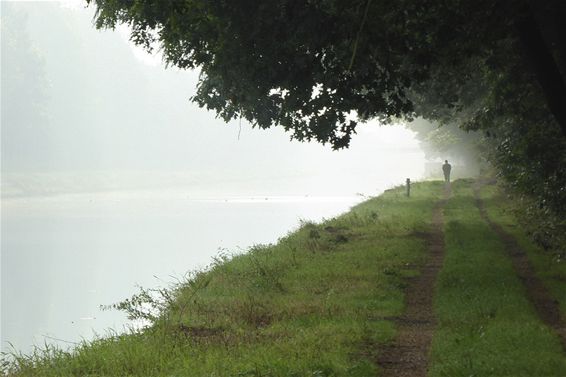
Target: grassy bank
[549,265]
[487,327]
[315,304]
[320,303]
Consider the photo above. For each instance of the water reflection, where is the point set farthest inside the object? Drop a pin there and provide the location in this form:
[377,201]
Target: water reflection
[64,256]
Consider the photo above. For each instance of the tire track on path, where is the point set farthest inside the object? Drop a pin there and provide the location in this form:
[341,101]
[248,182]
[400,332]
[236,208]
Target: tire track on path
[407,356]
[546,307]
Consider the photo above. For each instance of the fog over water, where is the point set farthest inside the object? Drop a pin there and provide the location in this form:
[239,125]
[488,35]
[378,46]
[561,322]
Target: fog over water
[112,178]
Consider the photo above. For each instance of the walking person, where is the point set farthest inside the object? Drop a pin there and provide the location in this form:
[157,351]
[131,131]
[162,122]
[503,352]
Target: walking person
[446,168]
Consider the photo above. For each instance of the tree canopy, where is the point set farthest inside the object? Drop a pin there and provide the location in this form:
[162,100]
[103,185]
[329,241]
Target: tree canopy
[310,65]
[318,68]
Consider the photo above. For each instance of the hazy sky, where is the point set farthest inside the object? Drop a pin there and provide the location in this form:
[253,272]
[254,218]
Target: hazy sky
[108,169]
[107,113]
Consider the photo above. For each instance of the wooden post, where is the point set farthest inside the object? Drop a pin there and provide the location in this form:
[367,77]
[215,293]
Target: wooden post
[408,187]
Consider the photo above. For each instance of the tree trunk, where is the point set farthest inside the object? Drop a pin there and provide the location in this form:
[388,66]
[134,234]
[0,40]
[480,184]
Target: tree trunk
[544,68]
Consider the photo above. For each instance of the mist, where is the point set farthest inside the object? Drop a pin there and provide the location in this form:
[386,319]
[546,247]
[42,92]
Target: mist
[102,118]
[111,176]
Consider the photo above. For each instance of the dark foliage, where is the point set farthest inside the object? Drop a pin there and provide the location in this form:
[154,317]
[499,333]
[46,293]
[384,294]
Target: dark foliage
[317,68]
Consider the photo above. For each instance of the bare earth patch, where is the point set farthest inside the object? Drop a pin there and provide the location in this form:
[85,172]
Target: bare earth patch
[407,356]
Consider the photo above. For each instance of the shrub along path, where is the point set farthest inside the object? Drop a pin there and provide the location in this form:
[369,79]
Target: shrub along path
[407,356]
[547,307]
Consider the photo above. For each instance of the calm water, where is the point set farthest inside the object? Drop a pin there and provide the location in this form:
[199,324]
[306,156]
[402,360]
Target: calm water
[64,256]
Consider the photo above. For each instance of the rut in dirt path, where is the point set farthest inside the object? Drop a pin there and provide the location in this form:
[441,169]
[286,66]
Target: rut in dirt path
[407,356]
[546,307]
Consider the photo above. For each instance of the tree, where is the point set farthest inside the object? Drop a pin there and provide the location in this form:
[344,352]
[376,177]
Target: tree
[310,66]
[448,141]
[319,67]
[24,88]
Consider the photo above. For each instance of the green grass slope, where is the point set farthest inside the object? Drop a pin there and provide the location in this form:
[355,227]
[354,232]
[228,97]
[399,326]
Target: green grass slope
[550,267]
[487,327]
[320,302]
[314,304]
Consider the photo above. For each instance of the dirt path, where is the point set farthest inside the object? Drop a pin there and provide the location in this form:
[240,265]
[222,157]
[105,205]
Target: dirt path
[407,356]
[547,308]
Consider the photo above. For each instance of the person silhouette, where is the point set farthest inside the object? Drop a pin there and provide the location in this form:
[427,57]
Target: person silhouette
[446,168]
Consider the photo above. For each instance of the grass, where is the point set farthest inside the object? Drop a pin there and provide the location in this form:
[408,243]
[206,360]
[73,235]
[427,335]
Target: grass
[486,325]
[549,267]
[318,302]
[314,304]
